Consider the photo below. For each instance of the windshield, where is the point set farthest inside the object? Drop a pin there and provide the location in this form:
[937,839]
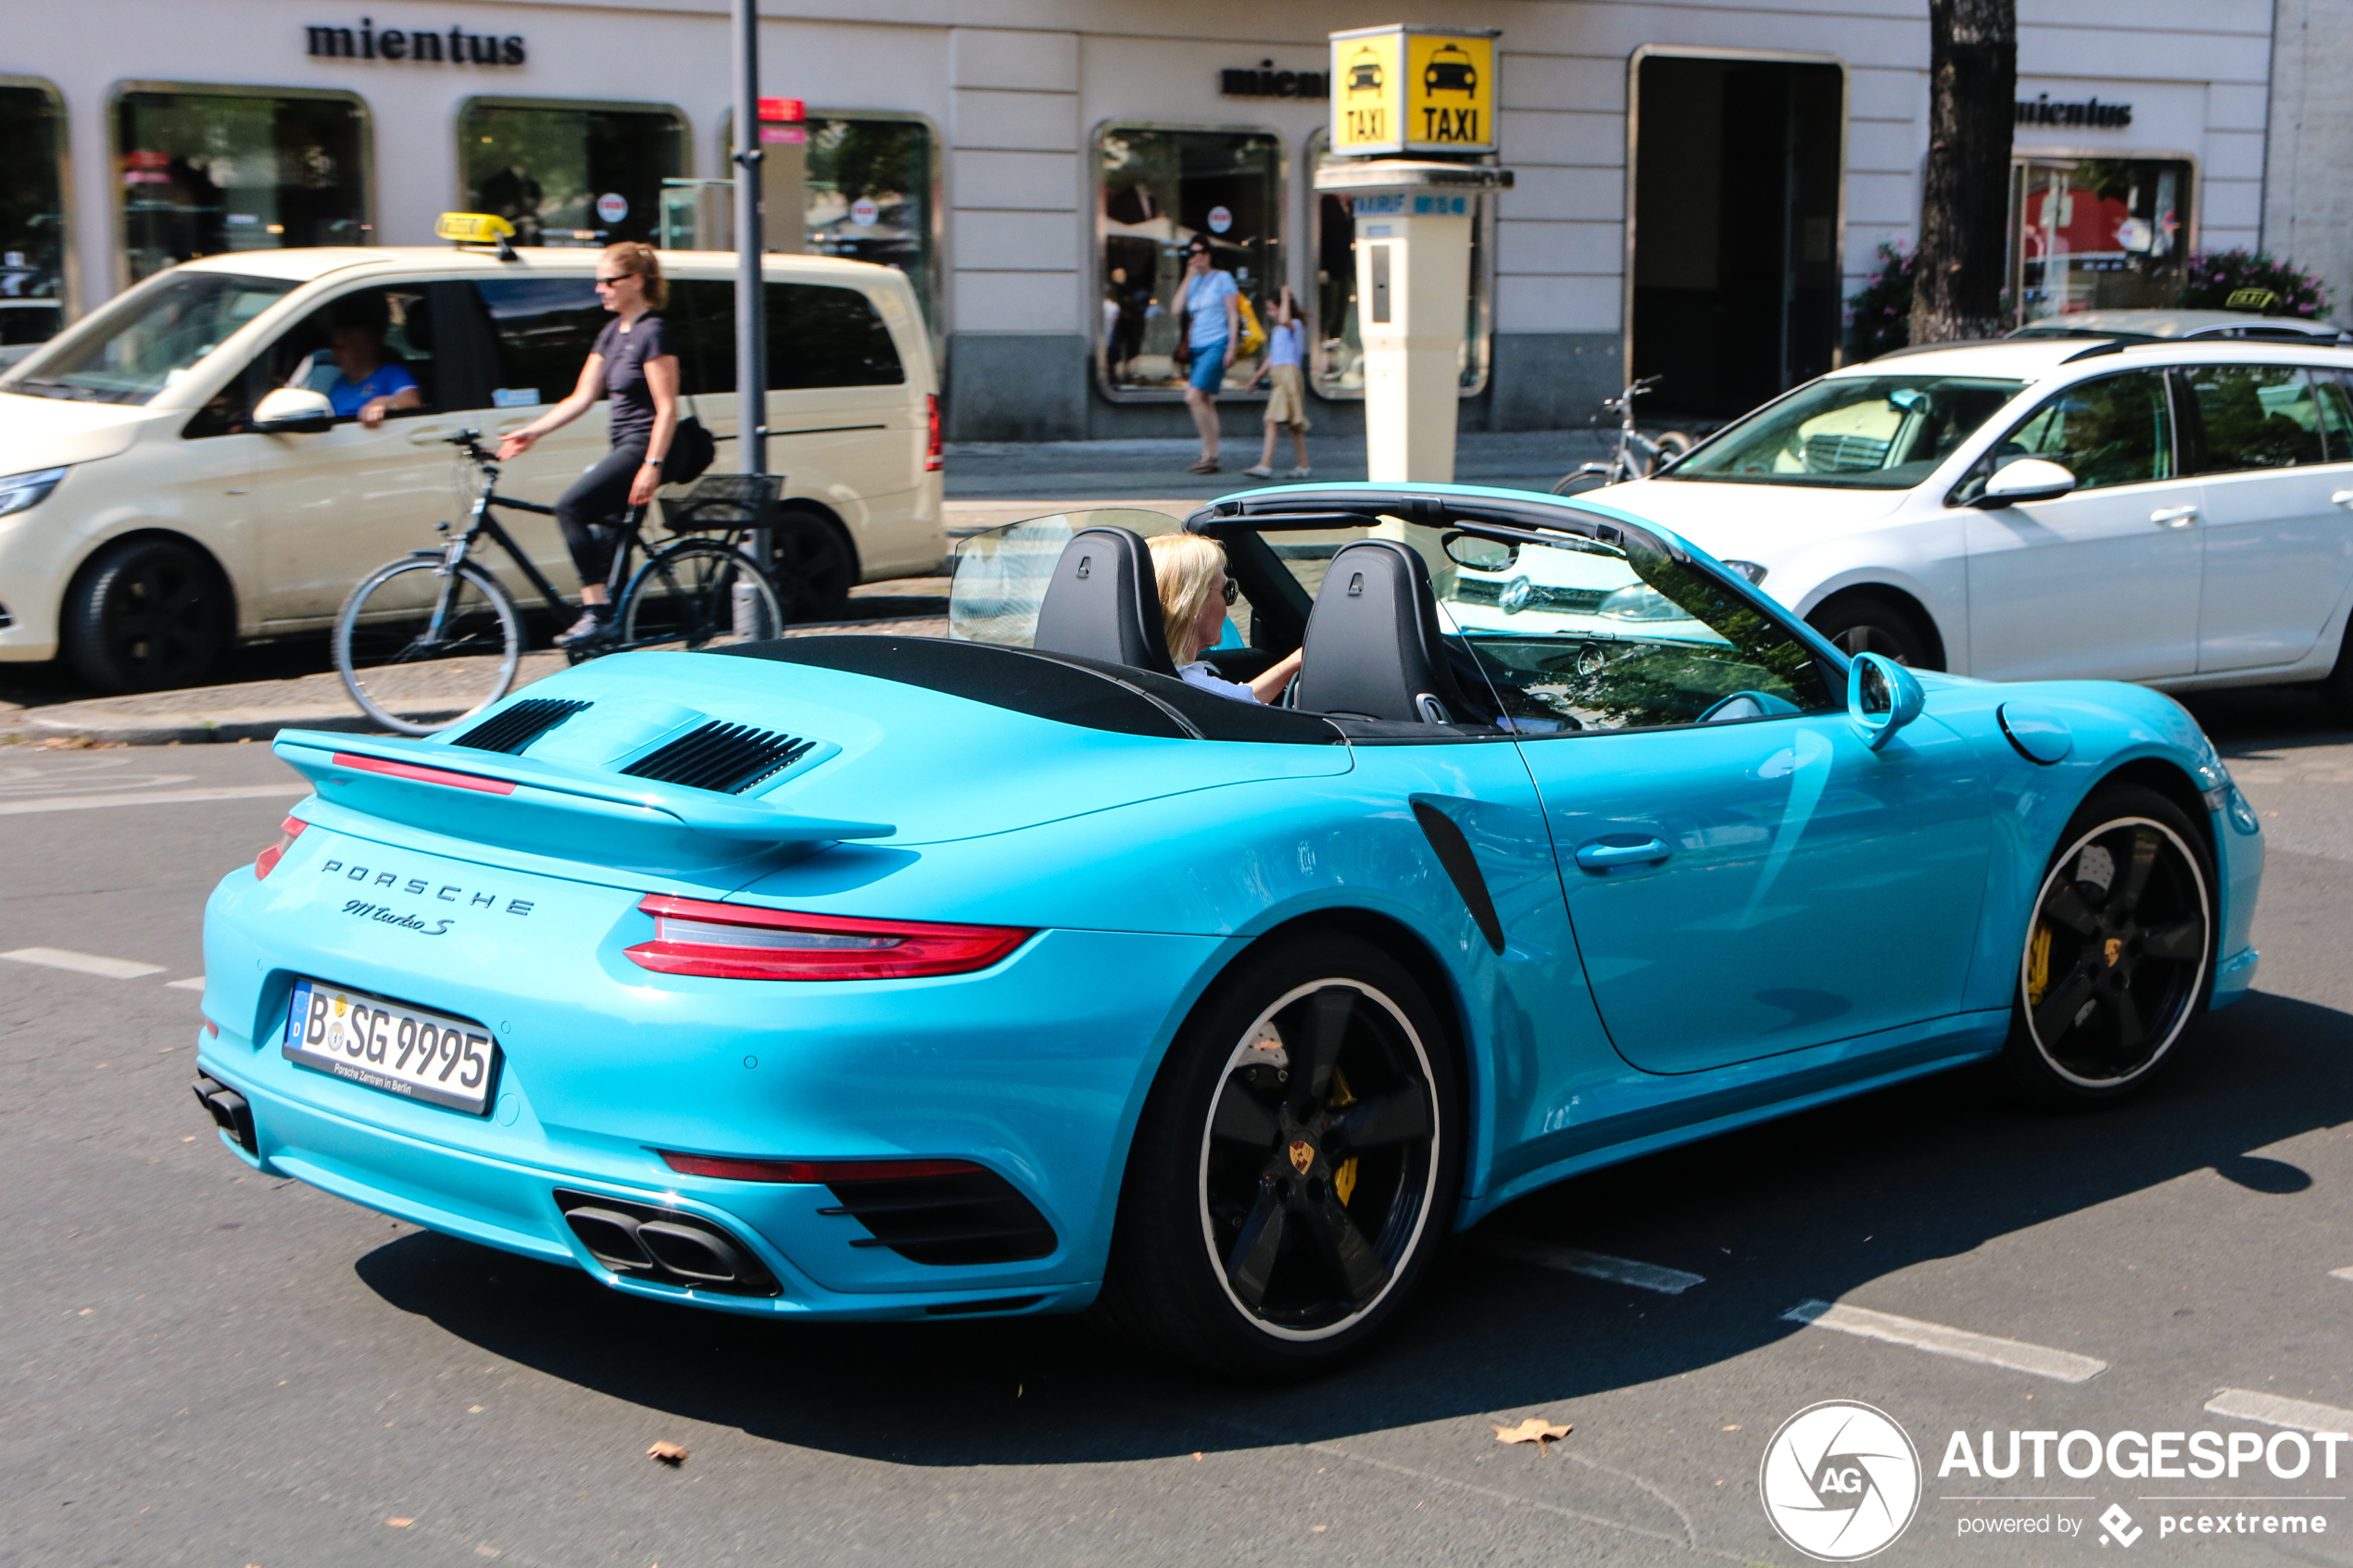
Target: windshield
[1852,433]
[149,339]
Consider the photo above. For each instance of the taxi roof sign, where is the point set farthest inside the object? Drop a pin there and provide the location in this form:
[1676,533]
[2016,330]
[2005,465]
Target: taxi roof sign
[473,228]
[1409,89]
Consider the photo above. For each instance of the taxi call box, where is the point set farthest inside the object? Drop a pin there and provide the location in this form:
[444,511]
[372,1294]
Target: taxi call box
[1402,89]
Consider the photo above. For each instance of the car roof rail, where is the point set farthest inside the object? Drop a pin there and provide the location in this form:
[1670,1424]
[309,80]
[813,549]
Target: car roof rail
[2111,345]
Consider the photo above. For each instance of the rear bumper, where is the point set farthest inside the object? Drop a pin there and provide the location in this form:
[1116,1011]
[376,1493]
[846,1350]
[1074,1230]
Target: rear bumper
[1035,1069]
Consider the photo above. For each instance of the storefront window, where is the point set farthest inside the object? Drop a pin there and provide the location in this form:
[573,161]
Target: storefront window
[2097,234]
[205,173]
[870,196]
[1158,190]
[1339,352]
[569,174]
[32,216]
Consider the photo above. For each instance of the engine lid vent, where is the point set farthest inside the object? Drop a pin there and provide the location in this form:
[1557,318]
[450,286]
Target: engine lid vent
[727,757]
[517,727]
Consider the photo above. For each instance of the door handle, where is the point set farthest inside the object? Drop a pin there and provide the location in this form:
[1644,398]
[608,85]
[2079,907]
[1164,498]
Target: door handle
[2173,517]
[1603,853]
[2342,498]
[430,436]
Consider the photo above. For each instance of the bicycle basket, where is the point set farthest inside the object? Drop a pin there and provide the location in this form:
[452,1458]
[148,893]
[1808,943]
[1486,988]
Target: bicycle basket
[723,501]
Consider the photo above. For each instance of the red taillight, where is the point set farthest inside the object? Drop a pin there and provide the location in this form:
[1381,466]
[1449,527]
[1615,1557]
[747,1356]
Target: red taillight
[935,455]
[826,1172]
[267,862]
[737,942]
[424,775]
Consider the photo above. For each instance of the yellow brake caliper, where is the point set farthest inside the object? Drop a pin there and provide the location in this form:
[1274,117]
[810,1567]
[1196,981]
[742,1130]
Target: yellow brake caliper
[1343,1179]
[2038,965]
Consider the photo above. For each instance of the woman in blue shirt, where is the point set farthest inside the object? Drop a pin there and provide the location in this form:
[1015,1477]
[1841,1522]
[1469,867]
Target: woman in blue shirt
[1210,322]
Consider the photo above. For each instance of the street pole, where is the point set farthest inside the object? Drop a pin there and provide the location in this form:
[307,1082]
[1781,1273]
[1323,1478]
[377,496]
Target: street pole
[751,318]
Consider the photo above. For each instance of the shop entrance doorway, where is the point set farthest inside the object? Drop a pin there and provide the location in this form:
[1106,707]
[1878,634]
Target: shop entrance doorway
[1738,171]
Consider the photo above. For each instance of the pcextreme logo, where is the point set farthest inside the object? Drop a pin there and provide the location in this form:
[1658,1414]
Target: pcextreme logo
[1841,1481]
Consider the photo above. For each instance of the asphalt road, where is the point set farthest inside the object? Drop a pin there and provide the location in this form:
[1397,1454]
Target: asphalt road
[199,1365]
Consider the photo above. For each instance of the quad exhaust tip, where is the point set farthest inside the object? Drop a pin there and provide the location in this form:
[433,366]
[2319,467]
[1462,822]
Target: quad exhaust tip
[229,1112]
[640,1241]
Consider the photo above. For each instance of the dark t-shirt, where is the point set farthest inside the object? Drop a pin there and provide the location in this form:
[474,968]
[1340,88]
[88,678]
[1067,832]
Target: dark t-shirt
[626,356]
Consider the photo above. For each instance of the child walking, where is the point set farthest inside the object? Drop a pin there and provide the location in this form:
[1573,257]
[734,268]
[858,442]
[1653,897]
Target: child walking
[1287,409]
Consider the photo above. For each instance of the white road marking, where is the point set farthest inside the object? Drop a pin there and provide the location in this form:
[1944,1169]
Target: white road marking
[193,982]
[151,797]
[1596,1265]
[85,963]
[2245,1404]
[1959,1343]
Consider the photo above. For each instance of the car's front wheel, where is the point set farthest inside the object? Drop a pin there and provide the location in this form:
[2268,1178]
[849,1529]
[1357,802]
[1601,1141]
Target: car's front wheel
[146,615]
[1295,1168]
[2119,956]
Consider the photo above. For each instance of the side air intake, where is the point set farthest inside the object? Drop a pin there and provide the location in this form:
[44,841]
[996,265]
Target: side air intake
[963,1217]
[517,727]
[727,758]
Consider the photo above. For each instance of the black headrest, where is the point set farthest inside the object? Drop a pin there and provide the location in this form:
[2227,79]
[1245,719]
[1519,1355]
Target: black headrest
[1373,645]
[1103,603]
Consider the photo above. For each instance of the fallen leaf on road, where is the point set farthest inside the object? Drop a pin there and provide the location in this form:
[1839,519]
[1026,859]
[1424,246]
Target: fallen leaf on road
[1734,1427]
[1535,1429]
[400,1523]
[669,1453]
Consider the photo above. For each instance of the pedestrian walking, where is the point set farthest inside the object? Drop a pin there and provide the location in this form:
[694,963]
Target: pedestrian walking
[632,362]
[1208,325]
[1287,406]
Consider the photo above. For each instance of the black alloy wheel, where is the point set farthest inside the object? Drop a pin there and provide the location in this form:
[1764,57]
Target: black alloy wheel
[1295,1170]
[1869,623]
[146,615]
[815,568]
[2119,954]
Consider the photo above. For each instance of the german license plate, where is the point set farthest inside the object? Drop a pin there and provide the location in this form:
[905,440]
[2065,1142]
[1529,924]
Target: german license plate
[392,1047]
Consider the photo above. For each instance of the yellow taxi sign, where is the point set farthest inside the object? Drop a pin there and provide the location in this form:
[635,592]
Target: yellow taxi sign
[473,228]
[1403,89]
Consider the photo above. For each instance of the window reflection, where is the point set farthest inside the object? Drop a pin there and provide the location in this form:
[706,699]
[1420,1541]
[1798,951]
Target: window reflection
[2096,235]
[568,174]
[33,223]
[204,173]
[870,195]
[1158,190]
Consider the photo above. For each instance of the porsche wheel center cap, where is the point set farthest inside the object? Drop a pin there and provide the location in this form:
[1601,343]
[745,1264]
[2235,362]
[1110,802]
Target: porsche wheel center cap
[2115,950]
[1302,1155]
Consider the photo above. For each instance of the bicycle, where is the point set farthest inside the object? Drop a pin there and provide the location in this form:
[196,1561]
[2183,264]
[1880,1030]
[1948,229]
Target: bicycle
[435,629]
[1623,463]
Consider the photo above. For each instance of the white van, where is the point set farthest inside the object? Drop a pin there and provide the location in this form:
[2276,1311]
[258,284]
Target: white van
[147,520]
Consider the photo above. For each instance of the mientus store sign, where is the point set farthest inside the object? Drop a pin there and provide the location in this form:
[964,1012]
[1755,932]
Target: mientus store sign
[455,46]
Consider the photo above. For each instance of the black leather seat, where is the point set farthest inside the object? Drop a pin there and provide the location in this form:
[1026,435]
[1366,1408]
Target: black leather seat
[1103,603]
[1374,650]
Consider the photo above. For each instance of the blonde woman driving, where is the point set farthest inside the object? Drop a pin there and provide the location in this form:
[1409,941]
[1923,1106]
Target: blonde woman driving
[1190,572]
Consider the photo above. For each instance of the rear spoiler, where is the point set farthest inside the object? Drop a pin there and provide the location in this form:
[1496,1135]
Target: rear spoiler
[545,807]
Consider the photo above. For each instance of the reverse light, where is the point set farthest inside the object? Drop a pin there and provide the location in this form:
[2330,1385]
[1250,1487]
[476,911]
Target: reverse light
[813,1172]
[19,491]
[267,862]
[935,455]
[739,942]
[424,775]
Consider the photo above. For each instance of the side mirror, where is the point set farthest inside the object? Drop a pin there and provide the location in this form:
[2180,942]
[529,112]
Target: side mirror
[2028,479]
[1881,698]
[294,411]
[1479,555]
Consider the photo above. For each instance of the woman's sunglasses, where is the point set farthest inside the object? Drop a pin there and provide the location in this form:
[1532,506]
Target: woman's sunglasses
[614,283]
[1232,593]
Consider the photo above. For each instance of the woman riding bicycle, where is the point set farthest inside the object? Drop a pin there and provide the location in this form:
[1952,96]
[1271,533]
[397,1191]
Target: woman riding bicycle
[632,362]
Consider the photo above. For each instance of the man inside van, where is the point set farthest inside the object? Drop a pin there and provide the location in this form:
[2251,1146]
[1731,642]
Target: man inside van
[370,386]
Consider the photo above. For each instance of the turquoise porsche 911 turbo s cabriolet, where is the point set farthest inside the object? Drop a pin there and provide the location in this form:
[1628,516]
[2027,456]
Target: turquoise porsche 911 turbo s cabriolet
[1020,971]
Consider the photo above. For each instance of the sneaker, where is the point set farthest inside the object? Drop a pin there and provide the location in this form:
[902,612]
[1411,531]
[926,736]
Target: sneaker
[594,625]
[1259,471]
[1300,472]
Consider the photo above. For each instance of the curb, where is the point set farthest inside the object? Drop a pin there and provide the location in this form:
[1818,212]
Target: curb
[190,729]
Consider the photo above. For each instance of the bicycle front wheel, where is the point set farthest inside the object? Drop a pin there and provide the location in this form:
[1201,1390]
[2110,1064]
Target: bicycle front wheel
[687,596]
[421,648]
[1591,476]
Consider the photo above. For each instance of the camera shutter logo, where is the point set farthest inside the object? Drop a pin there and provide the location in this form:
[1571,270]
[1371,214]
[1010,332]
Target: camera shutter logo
[1840,1481]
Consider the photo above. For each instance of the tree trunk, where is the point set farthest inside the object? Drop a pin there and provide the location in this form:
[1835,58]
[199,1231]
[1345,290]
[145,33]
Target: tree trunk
[1965,207]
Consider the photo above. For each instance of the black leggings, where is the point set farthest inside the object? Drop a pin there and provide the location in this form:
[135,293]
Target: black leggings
[586,511]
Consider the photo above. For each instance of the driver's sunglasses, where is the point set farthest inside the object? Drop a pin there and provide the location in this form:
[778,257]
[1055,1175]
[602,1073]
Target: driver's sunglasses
[1232,593]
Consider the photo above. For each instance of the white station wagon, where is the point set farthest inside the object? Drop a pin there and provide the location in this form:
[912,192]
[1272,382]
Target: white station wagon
[151,511]
[2169,512]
